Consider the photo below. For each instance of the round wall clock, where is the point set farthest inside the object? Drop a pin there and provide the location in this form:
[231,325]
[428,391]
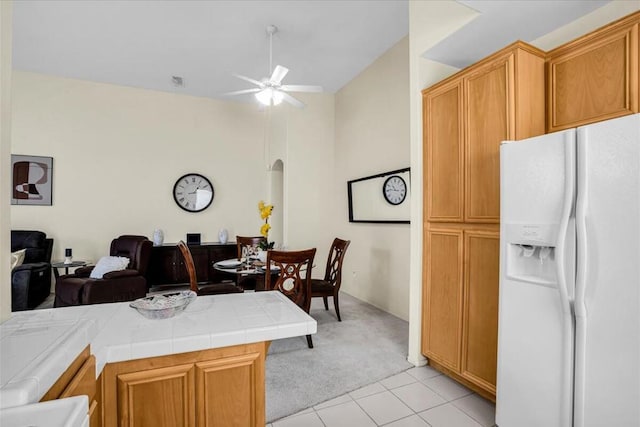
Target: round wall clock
[193,192]
[394,190]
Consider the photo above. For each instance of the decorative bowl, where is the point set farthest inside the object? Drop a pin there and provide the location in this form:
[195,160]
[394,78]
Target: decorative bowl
[163,306]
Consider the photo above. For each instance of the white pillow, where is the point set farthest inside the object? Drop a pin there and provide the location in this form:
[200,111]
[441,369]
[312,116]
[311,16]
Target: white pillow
[17,258]
[107,264]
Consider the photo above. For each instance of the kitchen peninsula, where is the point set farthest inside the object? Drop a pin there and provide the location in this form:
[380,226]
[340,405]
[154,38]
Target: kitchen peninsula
[204,366]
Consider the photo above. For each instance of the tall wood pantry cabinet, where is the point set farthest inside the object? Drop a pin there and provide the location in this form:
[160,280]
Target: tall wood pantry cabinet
[466,116]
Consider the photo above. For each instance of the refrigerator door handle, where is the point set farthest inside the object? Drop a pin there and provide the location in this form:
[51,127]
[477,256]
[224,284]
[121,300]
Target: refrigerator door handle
[581,232]
[563,227]
[562,249]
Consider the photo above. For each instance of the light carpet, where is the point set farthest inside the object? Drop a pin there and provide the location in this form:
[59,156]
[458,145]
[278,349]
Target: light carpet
[367,346]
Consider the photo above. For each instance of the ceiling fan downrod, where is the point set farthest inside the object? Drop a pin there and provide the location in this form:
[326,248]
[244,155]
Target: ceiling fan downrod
[271,30]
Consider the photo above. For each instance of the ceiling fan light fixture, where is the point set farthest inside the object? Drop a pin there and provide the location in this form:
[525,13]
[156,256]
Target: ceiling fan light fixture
[269,96]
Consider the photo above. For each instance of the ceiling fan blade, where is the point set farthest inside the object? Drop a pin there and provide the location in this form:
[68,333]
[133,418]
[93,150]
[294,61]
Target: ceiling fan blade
[301,88]
[278,74]
[249,79]
[240,92]
[291,100]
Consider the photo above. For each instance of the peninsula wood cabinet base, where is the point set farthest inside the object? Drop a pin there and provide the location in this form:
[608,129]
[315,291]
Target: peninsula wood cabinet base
[217,387]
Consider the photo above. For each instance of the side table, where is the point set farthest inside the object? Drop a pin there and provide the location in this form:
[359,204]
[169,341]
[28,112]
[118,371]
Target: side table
[57,265]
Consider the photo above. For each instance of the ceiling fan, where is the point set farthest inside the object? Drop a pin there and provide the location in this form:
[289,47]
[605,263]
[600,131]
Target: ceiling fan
[270,90]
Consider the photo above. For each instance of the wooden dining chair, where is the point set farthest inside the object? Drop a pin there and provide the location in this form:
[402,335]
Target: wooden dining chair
[249,246]
[293,277]
[330,285]
[205,289]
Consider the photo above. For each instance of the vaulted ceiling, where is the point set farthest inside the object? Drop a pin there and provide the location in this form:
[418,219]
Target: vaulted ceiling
[144,43]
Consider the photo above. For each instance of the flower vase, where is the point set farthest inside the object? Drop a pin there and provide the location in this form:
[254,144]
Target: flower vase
[223,236]
[262,255]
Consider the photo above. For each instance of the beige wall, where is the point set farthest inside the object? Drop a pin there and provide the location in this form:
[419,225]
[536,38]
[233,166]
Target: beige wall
[372,136]
[5,156]
[117,153]
[430,22]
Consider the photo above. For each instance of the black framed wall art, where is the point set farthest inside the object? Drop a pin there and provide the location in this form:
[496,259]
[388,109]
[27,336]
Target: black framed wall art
[31,180]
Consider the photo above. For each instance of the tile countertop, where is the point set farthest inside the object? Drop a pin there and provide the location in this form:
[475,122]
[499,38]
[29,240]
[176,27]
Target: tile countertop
[36,347]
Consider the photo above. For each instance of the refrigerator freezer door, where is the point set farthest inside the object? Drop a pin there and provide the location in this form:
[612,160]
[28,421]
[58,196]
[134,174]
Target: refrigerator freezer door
[535,335]
[608,275]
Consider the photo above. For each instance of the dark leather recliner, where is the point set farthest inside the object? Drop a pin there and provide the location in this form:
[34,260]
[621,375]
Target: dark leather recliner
[31,281]
[125,285]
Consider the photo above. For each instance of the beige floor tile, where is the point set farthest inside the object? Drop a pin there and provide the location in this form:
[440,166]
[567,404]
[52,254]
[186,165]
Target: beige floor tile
[333,402]
[423,372]
[478,408]
[398,380]
[367,391]
[345,415]
[305,420]
[418,396]
[384,407]
[447,388]
[447,416]
[412,421]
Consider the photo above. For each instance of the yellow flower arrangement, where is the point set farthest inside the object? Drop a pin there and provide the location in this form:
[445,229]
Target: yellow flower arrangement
[265,213]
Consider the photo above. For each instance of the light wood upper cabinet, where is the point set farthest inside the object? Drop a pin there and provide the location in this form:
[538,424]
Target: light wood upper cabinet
[444,178]
[488,92]
[442,318]
[480,328]
[595,77]
[466,117]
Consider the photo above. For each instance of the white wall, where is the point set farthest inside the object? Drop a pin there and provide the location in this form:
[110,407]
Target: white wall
[372,136]
[5,156]
[430,22]
[117,153]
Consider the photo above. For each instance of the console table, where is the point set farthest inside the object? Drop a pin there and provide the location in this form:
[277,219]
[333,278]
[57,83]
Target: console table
[166,264]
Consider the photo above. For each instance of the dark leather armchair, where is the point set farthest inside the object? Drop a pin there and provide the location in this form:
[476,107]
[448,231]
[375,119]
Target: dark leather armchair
[31,281]
[116,286]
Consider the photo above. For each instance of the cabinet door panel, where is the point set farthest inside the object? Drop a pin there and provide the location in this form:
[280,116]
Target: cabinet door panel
[84,382]
[444,153]
[594,80]
[157,397]
[162,267]
[229,390]
[480,324]
[489,94]
[442,299]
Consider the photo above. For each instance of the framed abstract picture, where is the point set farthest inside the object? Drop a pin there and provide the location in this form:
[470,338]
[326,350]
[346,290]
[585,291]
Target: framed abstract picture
[31,178]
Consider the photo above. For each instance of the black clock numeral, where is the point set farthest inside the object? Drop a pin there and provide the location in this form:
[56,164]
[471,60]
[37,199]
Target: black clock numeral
[193,179]
[179,193]
[181,199]
[186,181]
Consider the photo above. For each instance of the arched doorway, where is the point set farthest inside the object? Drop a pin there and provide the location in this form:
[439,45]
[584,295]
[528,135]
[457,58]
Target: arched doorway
[276,197]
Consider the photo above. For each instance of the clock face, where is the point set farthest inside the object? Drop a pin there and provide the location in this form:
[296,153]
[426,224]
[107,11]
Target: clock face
[193,192]
[394,190]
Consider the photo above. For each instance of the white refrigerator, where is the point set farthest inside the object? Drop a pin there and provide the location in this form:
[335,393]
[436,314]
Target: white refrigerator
[569,313]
